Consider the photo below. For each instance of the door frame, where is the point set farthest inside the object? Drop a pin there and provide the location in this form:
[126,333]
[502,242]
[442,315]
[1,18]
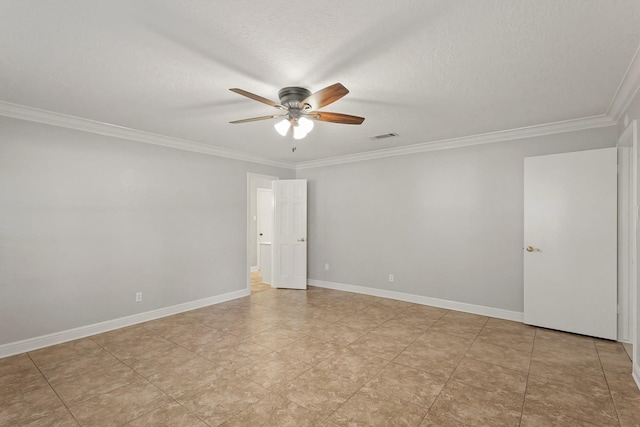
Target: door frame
[627,194]
[252,177]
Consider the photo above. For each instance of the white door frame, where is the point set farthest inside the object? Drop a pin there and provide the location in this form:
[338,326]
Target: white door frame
[627,287]
[626,262]
[251,177]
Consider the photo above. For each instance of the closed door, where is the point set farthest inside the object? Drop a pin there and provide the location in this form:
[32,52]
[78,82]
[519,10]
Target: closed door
[570,228]
[290,234]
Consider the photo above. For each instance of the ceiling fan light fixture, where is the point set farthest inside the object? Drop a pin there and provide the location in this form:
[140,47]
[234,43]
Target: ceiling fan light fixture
[298,132]
[305,124]
[282,127]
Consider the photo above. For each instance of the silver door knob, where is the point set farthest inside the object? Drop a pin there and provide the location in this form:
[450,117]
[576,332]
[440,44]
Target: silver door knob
[301,240]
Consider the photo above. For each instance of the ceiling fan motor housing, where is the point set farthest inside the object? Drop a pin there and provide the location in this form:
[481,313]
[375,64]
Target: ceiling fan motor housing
[292,96]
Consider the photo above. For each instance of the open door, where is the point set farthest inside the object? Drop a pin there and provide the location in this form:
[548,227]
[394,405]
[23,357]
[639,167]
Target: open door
[290,234]
[570,233]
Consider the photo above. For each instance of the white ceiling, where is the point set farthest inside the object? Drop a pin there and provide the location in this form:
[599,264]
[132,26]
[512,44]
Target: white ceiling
[427,70]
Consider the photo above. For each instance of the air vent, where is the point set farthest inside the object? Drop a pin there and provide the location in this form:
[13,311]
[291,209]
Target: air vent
[383,136]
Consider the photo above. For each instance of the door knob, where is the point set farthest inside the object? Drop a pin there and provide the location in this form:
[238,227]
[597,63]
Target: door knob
[532,249]
[301,240]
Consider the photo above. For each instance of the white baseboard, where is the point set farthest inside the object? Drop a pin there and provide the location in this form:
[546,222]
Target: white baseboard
[419,299]
[31,344]
[254,268]
[636,374]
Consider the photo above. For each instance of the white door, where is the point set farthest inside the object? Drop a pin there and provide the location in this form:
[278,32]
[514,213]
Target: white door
[290,234]
[570,230]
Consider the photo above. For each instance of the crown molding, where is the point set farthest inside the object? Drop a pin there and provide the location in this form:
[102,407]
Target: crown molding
[72,122]
[485,138]
[627,89]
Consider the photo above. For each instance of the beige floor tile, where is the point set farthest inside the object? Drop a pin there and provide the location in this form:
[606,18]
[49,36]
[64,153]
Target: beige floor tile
[59,418]
[425,312]
[413,319]
[184,377]
[275,338]
[510,326]
[337,334]
[521,341]
[451,327]
[17,363]
[79,365]
[465,318]
[361,322]
[408,384]
[435,353]
[235,354]
[580,379]
[547,419]
[380,344]
[28,407]
[132,350]
[368,407]
[562,361]
[273,370]
[273,410]
[616,362]
[194,339]
[502,356]
[545,395]
[124,334]
[94,383]
[489,377]
[51,356]
[477,407]
[629,349]
[355,367]
[310,350]
[169,415]
[245,327]
[22,378]
[119,406]
[322,352]
[396,330]
[565,337]
[223,399]
[436,420]
[319,391]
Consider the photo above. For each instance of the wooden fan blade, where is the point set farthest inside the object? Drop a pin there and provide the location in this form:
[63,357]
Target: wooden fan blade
[344,119]
[326,96]
[255,119]
[258,98]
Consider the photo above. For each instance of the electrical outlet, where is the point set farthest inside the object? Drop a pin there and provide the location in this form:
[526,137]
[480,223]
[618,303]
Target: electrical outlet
[391,277]
[138,296]
[326,266]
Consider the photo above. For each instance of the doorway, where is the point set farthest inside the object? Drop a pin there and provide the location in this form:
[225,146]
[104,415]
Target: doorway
[257,184]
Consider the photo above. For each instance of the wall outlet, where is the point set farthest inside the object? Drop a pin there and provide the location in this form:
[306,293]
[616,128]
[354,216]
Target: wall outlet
[326,266]
[138,296]
[391,277]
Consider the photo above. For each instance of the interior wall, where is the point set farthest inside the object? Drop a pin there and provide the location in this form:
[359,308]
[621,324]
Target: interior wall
[86,221]
[447,224]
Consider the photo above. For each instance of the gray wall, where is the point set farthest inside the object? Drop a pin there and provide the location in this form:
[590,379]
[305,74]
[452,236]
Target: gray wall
[88,220]
[448,224]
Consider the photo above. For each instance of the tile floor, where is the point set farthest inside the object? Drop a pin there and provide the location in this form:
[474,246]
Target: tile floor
[322,358]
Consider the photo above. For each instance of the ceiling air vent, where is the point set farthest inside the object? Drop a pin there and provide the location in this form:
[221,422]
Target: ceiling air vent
[383,136]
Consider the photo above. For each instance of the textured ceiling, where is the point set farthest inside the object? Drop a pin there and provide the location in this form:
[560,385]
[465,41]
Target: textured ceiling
[427,70]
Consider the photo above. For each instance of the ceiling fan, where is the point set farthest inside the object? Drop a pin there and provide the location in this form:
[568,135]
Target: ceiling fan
[299,107]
